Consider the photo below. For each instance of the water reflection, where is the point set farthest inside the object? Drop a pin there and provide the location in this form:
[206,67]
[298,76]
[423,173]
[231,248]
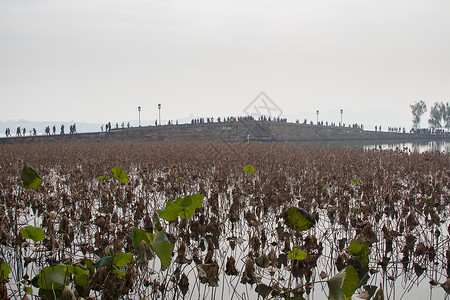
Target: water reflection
[430,146]
[442,146]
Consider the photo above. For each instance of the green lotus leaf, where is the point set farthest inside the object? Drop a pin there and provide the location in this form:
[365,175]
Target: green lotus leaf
[34,233]
[298,219]
[360,250]
[163,248]
[344,284]
[122,259]
[120,175]
[249,169]
[104,261]
[103,178]
[182,207]
[5,269]
[30,177]
[297,254]
[52,278]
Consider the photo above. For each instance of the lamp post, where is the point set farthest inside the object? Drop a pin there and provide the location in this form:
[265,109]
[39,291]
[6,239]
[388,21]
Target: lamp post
[342,111]
[317,112]
[159,107]
[139,110]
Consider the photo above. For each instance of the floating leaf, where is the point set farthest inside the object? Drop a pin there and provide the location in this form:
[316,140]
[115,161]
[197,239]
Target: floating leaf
[34,233]
[122,259]
[183,207]
[5,269]
[30,177]
[52,278]
[163,248]
[344,284]
[120,175]
[103,178]
[298,219]
[249,169]
[297,254]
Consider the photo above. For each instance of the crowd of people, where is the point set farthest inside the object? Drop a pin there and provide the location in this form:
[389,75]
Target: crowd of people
[427,131]
[48,131]
[20,131]
[332,124]
[237,119]
[397,129]
[107,127]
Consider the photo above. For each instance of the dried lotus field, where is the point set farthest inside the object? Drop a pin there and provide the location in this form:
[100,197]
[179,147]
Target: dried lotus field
[199,220]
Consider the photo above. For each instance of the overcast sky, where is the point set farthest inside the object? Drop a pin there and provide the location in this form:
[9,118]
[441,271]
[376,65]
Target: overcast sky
[98,60]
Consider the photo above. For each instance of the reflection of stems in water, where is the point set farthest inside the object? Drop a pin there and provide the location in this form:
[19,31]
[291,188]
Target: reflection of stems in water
[292,266]
[297,288]
[18,247]
[237,281]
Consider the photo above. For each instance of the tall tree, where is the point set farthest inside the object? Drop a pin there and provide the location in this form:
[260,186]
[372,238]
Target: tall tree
[446,116]
[436,115]
[418,109]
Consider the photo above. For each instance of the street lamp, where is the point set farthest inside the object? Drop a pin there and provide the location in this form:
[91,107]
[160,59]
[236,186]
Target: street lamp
[342,111]
[317,117]
[139,110]
[159,107]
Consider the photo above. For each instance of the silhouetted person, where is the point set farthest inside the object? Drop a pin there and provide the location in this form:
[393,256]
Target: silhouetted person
[18,132]
[62,129]
[54,130]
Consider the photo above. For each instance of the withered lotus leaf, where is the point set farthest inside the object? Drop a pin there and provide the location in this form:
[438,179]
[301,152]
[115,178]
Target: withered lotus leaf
[249,276]
[209,273]
[230,268]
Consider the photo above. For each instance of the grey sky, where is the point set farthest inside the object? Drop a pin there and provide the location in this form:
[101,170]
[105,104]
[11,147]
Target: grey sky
[97,60]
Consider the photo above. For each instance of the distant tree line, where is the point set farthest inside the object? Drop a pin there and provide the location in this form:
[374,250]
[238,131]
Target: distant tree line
[439,114]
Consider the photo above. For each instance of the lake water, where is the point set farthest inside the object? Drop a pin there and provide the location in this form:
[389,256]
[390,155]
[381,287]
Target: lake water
[431,146]
[412,146]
